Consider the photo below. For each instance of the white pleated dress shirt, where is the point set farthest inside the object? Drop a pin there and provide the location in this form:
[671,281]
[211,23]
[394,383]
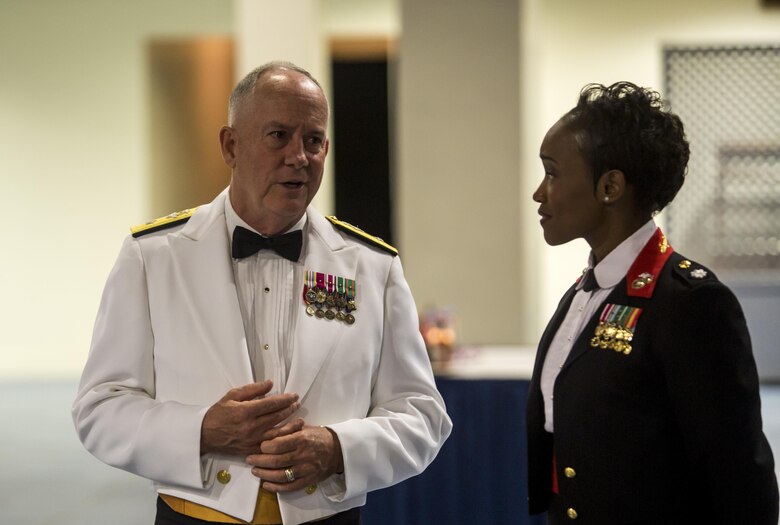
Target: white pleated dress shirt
[267,286]
[608,273]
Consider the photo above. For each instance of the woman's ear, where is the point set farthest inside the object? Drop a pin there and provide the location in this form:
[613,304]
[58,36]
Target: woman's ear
[611,186]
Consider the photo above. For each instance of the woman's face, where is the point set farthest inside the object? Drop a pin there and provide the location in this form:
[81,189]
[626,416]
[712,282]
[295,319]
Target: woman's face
[568,206]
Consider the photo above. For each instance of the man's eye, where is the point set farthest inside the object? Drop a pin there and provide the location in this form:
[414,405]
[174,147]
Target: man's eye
[314,144]
[277,134]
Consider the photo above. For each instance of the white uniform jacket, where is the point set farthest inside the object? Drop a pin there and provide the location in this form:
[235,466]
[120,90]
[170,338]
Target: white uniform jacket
[169,342]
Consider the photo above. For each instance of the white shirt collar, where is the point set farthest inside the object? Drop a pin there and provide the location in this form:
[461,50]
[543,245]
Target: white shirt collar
[616,264]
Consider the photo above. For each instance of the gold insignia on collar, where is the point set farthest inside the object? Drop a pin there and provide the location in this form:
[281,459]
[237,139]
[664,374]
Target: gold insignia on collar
[642,280]
[664,245]
[684,264]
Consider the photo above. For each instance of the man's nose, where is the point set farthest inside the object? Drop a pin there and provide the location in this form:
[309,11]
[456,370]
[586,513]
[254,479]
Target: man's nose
[296,154]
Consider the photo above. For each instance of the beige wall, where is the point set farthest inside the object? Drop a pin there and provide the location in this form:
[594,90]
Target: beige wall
[73,161]
[457,187]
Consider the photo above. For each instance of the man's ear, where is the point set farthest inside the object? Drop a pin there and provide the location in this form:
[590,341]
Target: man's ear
[227,143]
[611,186]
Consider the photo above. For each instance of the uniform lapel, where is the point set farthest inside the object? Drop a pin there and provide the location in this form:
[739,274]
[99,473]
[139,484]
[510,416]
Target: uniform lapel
[202,264]
[315,338]
[535,404]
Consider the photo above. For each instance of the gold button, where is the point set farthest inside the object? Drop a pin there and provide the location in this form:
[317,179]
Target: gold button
[266,347]
[311,488]
[569,472]
[223,476]
[684,264]
[571,513]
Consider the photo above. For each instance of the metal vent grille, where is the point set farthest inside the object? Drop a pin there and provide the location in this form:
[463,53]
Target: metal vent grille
[727,215]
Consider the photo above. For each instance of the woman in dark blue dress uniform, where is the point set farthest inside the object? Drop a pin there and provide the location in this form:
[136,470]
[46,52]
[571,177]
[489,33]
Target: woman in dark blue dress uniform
[644,403]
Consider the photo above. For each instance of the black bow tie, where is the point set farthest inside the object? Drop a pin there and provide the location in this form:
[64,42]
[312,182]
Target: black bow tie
[589,282]
[246,243]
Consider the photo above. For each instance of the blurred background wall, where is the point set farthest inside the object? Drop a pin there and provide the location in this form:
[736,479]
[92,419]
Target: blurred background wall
[93,137]
[75,160]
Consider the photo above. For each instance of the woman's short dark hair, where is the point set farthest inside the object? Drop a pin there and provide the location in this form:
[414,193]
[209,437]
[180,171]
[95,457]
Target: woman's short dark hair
[630,128]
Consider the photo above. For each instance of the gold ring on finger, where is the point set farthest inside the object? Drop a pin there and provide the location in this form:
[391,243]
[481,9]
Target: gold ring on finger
[289,473]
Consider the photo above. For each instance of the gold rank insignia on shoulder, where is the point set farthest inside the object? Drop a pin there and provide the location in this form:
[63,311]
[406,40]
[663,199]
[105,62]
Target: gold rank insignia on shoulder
[616,328]
[360,234]
[173,219]
[329,296]
[693,272]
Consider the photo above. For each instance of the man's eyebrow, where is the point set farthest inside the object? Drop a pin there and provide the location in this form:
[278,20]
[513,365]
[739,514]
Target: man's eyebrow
[276,124]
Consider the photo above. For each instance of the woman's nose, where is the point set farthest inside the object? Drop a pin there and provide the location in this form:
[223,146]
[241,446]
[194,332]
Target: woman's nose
[538,195]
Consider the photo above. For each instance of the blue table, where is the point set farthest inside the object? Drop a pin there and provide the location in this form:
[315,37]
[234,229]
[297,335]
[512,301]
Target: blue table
[480,474]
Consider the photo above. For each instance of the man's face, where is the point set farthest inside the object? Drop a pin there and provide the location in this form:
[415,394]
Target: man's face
[276,148]
[568,205]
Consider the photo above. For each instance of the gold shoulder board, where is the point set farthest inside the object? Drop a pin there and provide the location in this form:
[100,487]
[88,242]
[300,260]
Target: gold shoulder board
[179,217]
[360,234]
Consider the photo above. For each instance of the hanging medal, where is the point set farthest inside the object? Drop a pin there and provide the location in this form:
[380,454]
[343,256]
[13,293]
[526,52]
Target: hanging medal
[321,295]
[309,293]
[616,328]
[330,298]
[341,300]
[351,304]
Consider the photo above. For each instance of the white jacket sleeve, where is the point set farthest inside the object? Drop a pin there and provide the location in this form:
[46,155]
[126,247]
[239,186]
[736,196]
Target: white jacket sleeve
[115,412]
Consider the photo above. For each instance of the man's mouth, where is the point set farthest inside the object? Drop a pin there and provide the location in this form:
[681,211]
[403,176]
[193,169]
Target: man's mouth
[292,185]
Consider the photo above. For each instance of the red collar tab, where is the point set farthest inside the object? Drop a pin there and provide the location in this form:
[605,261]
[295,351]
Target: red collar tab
[643,274]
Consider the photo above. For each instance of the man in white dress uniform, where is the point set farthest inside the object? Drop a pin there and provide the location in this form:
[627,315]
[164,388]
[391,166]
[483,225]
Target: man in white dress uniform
[259,362]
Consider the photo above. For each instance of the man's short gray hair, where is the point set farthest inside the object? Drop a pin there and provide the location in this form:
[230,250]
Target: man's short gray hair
[247,84]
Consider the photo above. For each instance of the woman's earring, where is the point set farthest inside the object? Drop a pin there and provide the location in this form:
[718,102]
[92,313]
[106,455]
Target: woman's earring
[606,198]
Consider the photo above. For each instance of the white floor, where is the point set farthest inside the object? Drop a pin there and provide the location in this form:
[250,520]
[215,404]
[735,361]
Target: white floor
[48,478]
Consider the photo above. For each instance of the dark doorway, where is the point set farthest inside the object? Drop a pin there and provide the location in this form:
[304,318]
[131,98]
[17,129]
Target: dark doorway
[361,139]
